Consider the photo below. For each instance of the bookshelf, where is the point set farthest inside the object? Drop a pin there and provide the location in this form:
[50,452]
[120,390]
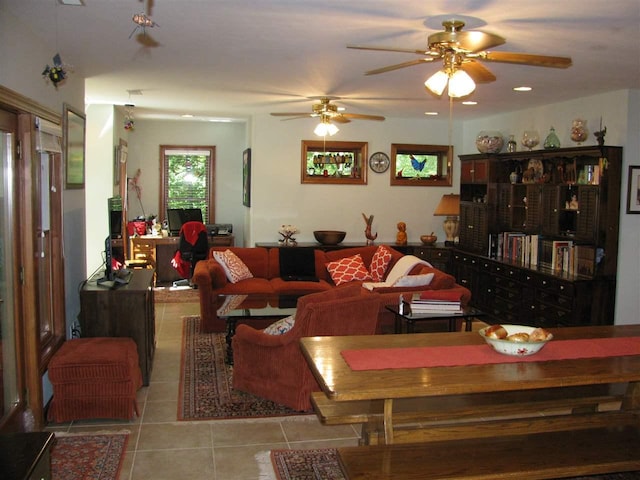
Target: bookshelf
[541,250]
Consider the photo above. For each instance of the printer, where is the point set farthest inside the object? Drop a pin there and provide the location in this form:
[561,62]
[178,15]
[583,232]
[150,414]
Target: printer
[219,229]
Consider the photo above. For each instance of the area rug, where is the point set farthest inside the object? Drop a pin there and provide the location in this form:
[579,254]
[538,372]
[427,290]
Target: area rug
[175,295]
[87,457]
[206,390]
[323,464]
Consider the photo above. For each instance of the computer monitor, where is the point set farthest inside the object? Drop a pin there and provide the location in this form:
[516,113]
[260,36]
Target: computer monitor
[176,217]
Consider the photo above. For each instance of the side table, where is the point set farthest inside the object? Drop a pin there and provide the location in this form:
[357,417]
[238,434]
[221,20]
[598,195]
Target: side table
[410,318]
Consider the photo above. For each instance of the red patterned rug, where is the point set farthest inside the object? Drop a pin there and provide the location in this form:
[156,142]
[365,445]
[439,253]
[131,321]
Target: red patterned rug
[175,295]
[206,390]
[323,464]
[87,457]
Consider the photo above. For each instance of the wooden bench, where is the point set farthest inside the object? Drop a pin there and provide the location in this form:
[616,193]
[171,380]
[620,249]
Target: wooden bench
[463,416]
[548,455]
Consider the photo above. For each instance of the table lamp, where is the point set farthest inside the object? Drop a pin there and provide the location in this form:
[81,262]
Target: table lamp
[449,207]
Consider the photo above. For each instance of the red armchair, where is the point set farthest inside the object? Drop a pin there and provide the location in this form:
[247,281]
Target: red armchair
[272,366]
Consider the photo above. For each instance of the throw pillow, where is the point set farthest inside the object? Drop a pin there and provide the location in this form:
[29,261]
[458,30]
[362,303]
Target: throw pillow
[441,280]
[348,269]
[380,263]
[233,266]
[414,280]
[281,326]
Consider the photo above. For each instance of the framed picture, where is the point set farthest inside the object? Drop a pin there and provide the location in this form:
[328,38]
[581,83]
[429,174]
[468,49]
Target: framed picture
[338,163]
[246,177]
[73,131]
[633,192]
[421,165]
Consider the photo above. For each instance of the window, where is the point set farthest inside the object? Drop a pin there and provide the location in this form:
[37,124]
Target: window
[188,179]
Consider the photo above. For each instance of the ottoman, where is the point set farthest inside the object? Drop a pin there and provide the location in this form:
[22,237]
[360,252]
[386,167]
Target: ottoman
[95,378]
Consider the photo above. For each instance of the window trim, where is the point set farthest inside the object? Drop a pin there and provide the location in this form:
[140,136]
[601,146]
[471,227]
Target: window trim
[211,211]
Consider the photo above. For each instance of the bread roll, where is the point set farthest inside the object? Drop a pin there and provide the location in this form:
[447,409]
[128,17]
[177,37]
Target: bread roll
[518,337]
[540,335]
[496,331]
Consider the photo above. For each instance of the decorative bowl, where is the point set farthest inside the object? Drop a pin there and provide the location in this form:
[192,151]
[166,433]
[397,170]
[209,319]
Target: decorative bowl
[329,237]
[428,239]
[509,347]
[489,142]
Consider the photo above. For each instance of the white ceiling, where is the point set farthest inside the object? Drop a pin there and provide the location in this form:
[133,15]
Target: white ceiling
[234,58]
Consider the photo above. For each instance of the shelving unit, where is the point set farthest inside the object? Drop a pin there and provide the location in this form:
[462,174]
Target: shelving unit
[570,195]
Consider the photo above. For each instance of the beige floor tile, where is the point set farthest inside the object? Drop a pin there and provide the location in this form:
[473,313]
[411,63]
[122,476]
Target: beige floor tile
[239,463]
[160,412]
[174,436]
[174,464]
[243,432]
[163,391]
[313,430]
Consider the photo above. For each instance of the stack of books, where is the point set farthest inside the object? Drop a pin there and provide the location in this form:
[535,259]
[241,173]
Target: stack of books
[435,301]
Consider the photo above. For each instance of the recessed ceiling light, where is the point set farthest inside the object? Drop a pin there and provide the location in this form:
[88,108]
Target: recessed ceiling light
[522,89]
[431,113]
[469,102]
[78,3]
[220,120]
[187,115]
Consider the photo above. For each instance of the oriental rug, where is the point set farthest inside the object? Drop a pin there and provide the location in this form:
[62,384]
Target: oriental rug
[176,295]
[206,391]
[87,457]
[323,464]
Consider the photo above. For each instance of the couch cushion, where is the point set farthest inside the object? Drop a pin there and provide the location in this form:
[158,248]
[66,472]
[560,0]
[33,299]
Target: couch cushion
[255,258]
[298,287]
[380,263]
[348,269]
[234,268]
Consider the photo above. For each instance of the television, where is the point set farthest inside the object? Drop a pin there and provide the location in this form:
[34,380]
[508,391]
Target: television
[176,217]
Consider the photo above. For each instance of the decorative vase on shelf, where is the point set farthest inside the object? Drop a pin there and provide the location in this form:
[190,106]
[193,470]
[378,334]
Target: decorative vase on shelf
[552,141]
[530,139]
[489,142]
[579,131]
[512,146]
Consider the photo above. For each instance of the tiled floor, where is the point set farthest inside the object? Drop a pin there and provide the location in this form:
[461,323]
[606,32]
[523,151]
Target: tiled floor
[160,447]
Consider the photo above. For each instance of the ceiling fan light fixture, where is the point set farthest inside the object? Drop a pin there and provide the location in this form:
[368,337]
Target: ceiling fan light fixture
[437,82]
[461,84]
[326,128]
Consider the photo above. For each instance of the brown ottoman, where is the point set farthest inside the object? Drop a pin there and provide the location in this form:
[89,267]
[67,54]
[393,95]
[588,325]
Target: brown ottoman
[95,378]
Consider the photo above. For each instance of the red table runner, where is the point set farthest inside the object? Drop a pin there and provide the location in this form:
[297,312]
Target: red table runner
[458,355]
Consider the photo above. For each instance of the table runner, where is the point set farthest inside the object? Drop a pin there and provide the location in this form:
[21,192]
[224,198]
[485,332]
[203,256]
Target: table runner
[458,355]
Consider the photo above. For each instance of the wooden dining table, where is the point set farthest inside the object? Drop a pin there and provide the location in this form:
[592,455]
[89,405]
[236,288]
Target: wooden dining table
[342,383]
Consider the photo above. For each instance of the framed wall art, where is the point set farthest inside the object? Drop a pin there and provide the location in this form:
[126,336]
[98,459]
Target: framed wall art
[73,130]
[421,165]
[633,190]
[246,177]
[337,163]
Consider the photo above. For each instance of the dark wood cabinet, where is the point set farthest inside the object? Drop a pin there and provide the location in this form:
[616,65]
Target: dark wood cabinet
[437,255]
[126,311]
[569,195]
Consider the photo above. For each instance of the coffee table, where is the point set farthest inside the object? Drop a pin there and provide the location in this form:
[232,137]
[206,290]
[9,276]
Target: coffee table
[410,318]
[236,309]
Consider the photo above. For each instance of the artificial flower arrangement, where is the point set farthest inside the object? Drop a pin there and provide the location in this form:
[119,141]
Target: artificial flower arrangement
[287,232]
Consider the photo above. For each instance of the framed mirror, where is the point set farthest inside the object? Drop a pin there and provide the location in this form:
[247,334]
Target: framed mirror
[340,163]
[421,165]
[73,129]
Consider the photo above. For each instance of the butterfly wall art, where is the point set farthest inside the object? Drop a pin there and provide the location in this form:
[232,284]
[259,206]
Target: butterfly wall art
[421,165]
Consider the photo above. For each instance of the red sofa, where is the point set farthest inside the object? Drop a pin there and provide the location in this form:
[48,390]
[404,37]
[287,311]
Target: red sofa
[264,265]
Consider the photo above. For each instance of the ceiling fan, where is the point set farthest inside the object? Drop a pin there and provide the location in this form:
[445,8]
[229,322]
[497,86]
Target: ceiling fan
[462,51]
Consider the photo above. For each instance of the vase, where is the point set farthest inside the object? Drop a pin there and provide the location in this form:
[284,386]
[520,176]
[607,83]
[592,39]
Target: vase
[552,141]
[512,146]
[489,142]
[579,131]
[530,139]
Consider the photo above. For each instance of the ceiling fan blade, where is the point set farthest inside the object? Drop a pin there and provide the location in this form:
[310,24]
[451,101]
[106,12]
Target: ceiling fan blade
[340,119]
[526,59]
[478,72]
[392,49]
[398,66]
[360,116]
[291,114]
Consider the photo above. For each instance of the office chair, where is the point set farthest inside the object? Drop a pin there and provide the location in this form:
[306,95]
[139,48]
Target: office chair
[193,247]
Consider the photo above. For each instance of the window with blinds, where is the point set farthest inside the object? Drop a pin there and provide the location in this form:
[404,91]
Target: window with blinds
[188,179]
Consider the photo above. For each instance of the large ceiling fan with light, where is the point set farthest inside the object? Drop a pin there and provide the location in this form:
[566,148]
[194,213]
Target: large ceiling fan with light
[327,112]
[462,53]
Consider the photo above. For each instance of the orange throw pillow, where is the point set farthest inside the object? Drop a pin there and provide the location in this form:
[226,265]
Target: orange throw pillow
[348,269]
[380,263]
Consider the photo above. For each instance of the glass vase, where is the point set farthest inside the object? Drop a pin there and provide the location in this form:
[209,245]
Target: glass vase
[552,141]
[579,131]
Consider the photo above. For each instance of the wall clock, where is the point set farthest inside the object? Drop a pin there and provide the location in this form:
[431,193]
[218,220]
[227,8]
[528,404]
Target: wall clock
[379,162]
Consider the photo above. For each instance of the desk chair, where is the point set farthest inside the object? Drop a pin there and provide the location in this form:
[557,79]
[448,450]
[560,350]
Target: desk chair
[193,247]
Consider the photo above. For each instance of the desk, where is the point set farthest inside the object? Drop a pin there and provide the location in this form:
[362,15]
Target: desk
[341,384]
[158,251]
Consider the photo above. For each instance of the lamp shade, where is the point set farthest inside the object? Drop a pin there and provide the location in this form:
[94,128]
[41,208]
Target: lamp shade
[461,84]
[437,82]
[449,206]
[325,128]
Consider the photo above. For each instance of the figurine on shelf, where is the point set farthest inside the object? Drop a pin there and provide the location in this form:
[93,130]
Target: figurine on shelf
[367,231]
[401,236]
[573,203]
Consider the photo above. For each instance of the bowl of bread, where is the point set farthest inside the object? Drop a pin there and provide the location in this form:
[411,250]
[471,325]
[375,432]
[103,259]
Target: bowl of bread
[519,340]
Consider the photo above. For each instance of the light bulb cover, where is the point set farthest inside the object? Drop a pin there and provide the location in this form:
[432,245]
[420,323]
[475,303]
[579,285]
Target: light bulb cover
[437,82]
[323,129]
[461,84]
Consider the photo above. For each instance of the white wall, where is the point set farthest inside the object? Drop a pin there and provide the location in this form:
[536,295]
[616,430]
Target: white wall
[230,140]
[278,196]
[620,113]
